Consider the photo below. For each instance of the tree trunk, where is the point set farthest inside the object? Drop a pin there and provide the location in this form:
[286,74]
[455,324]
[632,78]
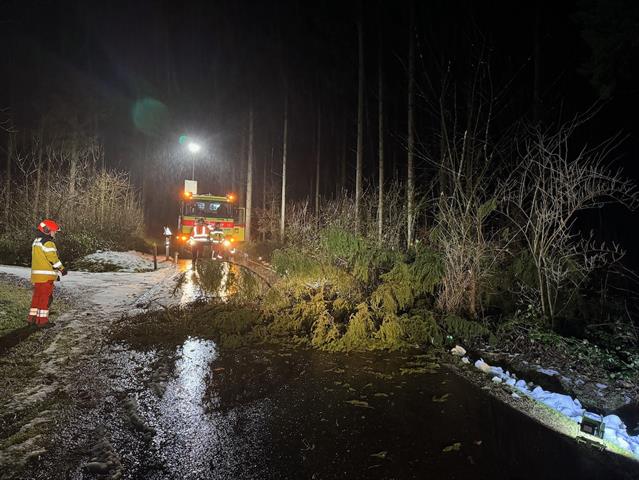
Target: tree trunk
[264,174]
[343,157]
[360,128]
[410,177]
[284,151]
[318,159]
[38,183]
[249,179]
[73,166]
[47,196]
[7,189]
[380,135]
[537,64]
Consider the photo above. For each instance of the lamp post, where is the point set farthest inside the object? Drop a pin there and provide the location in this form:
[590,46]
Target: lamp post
[193,148]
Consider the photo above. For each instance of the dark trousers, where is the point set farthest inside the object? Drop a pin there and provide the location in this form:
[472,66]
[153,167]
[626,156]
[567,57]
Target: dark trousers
[197,251]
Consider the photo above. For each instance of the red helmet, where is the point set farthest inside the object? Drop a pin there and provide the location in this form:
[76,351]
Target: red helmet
[48,226]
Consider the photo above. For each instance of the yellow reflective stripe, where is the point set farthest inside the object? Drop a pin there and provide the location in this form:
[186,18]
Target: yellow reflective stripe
[43,272]
[33,311]
[57,264]
[43,313]
[37,243]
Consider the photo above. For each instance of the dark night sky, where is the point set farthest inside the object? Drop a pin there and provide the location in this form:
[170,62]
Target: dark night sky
[204,62]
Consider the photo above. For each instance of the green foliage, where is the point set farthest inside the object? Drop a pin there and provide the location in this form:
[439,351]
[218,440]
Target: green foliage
[421,328]
[75,245]
[292,261]
[14,306]
[397,290]
[238,321]
[15,247]
[467,330]
[486,208]
[362,258]
[342,245]
[360,331]
[261,249]
[325,331]
[323,295]
[391,333]
[427,270]
[404,283]
[210,275]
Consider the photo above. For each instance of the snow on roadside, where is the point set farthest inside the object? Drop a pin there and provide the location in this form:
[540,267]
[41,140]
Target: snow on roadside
[615,430]
[108,260]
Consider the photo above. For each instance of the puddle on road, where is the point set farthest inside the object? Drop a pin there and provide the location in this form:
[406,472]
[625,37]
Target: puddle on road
[181,417]
[214,279]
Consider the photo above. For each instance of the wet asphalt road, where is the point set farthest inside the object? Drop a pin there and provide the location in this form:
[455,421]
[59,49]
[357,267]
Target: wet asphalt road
[189,411]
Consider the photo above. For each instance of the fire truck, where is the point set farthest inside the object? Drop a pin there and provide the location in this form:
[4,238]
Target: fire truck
[216,210]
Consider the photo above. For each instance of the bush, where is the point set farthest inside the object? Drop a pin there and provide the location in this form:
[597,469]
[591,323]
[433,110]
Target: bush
[15,247]
[293,262]
[466,330]
[264,249]
[75,245]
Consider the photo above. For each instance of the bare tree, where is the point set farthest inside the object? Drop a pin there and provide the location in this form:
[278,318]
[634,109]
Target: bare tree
[380,134]
[249,178]
[410,176]
[550,188]
[359,188]
[284,151]
[318,158]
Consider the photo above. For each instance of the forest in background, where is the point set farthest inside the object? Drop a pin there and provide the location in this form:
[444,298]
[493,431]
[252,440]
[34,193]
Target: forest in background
[403,143]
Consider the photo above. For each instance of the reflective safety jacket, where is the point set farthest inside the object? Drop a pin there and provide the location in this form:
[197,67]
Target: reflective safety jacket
[217,236]
[45,263]
[200,233]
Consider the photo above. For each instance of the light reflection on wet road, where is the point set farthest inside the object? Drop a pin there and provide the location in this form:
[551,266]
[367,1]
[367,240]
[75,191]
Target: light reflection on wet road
[181,412]
[192,288]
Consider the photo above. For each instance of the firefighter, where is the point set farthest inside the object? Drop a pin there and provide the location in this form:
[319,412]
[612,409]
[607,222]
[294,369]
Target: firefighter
[199,238]
[217,237]
[45,268]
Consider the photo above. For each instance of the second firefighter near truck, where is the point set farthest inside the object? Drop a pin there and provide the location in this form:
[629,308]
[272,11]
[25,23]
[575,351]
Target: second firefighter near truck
[199,238]
[45,269]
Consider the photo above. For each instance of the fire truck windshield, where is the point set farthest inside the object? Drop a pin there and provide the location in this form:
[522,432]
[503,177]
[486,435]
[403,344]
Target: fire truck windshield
[202,208]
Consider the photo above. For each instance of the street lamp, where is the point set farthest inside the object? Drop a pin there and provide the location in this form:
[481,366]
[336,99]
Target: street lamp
[193,148]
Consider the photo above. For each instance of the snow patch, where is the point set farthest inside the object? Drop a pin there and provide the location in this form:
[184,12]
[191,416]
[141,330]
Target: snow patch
[130,261]
[483,366]
[615,430]
[458,351]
